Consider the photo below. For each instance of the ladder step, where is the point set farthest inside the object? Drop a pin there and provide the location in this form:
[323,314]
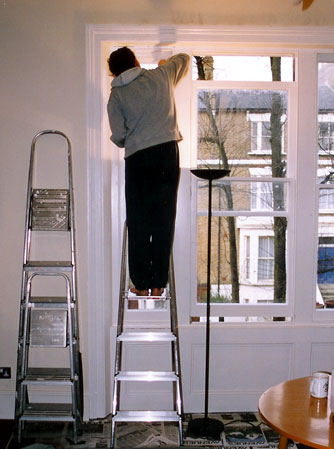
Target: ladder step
[48,302]
[147,298]
[47,412]
[146,416]
[48,376]
[147,376]
[146,336]
[45,266]
[127,294]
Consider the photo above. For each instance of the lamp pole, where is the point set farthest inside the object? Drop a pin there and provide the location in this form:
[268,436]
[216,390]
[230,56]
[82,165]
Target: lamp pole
[207,427]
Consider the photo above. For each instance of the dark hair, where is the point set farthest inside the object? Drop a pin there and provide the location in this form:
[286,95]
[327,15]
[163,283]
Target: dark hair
[121,60]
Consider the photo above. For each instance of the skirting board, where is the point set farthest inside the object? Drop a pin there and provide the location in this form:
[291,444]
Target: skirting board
[7,404]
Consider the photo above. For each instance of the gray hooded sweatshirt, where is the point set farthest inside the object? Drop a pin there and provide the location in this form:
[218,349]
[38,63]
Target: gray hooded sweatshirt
[141,105]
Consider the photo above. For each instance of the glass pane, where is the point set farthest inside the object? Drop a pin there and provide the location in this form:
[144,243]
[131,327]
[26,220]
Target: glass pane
[242,68]
[326,199]
[230,195]
[325,265]
[325,270]
[242,130]
[248,259]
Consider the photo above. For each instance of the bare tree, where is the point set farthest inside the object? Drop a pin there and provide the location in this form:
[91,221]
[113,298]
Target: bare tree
[215,138]
[278,171]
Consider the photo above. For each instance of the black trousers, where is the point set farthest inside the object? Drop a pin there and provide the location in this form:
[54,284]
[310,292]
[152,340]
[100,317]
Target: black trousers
[151,184]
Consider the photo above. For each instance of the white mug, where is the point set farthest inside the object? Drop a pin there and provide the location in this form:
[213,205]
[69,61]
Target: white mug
[319,385]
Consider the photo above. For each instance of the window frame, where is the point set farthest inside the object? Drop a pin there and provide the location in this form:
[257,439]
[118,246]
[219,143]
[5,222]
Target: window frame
[321,314]
[245,310]
[104,232]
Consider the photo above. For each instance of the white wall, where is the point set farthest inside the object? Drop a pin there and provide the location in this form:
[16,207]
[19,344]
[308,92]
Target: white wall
[42,85]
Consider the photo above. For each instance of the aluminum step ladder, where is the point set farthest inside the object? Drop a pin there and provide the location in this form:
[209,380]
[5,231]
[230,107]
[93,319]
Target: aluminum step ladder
[127,333]
[49,319]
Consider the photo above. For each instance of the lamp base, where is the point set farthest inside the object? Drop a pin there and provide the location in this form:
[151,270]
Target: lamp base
[205,428]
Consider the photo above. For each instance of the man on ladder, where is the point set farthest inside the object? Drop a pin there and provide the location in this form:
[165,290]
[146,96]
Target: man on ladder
[142,117]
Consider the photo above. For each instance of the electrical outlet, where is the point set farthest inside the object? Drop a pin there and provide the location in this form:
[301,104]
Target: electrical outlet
[5,373]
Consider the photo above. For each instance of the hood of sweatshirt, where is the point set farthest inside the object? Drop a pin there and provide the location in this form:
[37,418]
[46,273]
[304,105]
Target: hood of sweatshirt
[126,77]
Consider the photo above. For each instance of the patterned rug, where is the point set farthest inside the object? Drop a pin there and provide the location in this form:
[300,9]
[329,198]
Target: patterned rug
[243,430]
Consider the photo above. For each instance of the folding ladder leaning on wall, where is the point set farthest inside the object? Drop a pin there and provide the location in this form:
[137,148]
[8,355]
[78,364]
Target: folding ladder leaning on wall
[48,320]
[131,333]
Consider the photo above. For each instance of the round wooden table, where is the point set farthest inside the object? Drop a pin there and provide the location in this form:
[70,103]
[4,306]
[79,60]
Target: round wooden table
[294,413]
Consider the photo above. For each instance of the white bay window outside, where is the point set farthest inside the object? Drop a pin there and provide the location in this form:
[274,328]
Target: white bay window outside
[326,133]
[261,136]
[266,258]
[258,268]
[261,132]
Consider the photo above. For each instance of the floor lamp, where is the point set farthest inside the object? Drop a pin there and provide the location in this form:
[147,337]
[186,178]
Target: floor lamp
[207,427]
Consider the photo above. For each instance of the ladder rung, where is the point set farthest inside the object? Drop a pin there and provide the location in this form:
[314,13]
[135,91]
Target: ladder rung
[47,412]
[146,336]
[127,294]
[147,298]
[147,376]
[48,302]
[45,266]
[48,376]
[146,416]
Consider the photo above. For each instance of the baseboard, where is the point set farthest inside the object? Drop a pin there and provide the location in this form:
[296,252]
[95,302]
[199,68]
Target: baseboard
[7,404]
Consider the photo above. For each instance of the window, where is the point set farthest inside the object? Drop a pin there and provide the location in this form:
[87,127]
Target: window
[240,68]
[244,130]
[266,258]
[247,258]
[325,263]
[326,133]
[261,132]
[262,196]
[261,135]
[326,196]
[224,129]
[257,262]
[300,201]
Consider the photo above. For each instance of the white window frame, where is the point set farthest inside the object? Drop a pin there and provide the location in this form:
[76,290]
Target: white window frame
[322,215]
[240,310]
